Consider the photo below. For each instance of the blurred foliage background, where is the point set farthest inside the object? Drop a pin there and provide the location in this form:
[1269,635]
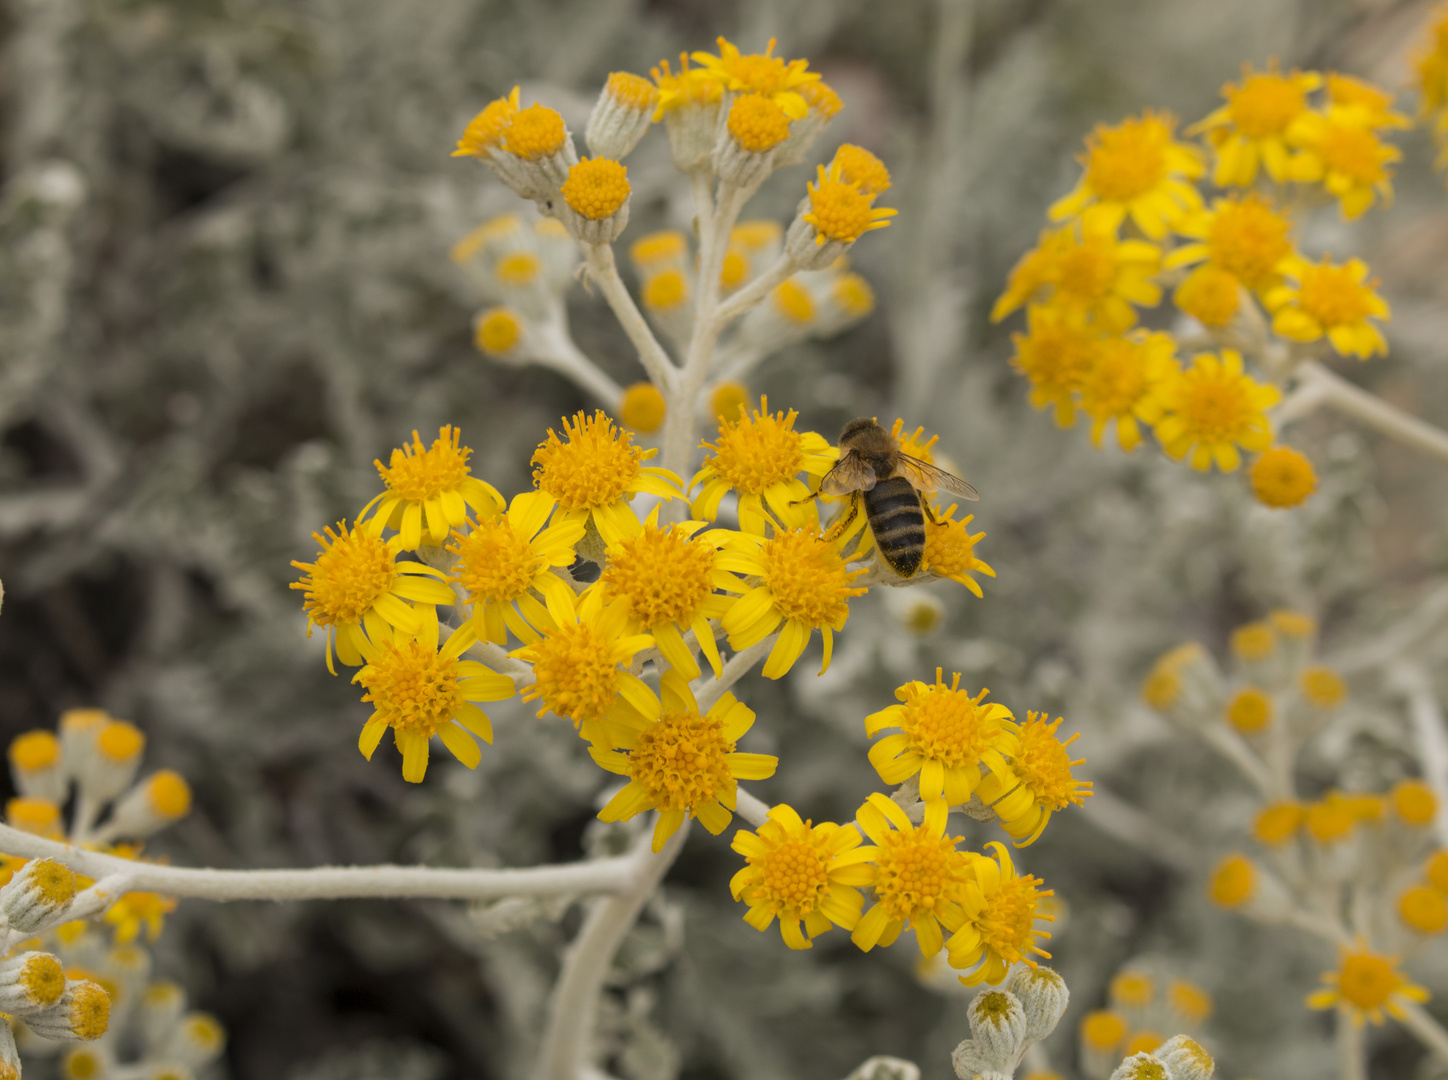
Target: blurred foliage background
[224,229]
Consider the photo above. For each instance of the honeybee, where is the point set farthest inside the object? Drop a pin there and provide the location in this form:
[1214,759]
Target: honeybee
[873,468]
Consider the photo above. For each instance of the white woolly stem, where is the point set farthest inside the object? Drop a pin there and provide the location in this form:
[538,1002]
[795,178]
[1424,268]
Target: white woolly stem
[735,668]
[556,351]
[751,808]
[329,882]
[1341,395]
[603,270]
[1428,1031]
[752,293]
[1351,1047]
[574,1004]
[1432,736]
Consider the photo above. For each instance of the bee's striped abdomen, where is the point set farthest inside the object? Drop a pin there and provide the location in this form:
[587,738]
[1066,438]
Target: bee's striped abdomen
[893,509]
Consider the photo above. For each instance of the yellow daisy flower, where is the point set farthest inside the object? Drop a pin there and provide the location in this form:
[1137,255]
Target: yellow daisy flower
[1335,300]
[579,667]
[137,911]
[429,491]
[1085,271]
[1432,71]
[1372,102]
[1211,409]
[842,199]
[807,875]
[503,561]
[920,876]
[691,87]
[420,690]
[950,550]
[682,763]
[1138,169]
[761,457]
[593,475]
[665,581]
[1057,354]
[1251,129]
[1043,783]
[1001,909]
[1365,985]
[756,73]
[486,130]
[1124,383]
[1342,152]
[1242,235]
[356,588]
[946,736]
[804,585]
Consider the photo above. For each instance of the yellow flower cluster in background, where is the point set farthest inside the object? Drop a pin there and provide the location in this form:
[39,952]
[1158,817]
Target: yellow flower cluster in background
[1141,223]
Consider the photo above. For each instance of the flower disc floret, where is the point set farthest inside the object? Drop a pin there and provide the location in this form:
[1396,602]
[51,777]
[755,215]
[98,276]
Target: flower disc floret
[429,491]
[419,691]
[1283,478]
[1233,881]
[357,588]
[944,735]
[682,762]
[497,331]
[1414,803]
[1337,301]
[1213,408]
[1365,985]
[863,169]
[666,290]
[1249,131]
[536,132]
[1001,910]
[950,550]
[691,87]
[1423,909]
[840,210]
[633,91]
[593,470]
[1044,785]
[807,875]
[756,123]
[760,456]
[1323,687]
[1250,710]
[1136,168]
[805,585]
[486,130]
[643,407]
[920,876]
[596,188]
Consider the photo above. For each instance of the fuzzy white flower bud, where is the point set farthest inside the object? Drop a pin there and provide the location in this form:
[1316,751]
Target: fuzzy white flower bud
[38,896]
[971,1062]
[885,1068]
[1043,996]
[38,767]
[196,1041]
[30,982]
[162,798]
[1141,1067]
[998,1027]
[1185,1058]
[622,116]
[162,1006]
[9,1055]
[110,764]
[82,1013]
[93,1062]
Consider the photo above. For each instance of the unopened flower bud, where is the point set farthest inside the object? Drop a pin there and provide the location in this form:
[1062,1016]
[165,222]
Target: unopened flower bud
[972,1062]
[595,198]
[38,896]
[110,766]
[93,1062]
[37,766]
[1043,996]
[160,799]
[886,1068]
[998,1028]
[30,982]
[196,1041]
[1141,1067]
[622,116]
[9,1055]
[162,1006]
[754,128]
[82,1013]
[33,815]
[1185,1058]
[78,731]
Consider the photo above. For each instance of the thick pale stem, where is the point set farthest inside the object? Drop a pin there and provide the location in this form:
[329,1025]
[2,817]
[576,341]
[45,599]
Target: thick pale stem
[1351,1048]
[1235,749]
[751,808]
[1432,737]
[574,1003]
[330,882]
[752,293]
[1341,395]
[735,668]
[603,270]
[557,352]
[1429,1032]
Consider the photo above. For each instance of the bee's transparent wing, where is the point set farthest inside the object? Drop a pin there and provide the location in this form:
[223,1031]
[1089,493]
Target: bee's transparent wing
[852,473]
[928,478]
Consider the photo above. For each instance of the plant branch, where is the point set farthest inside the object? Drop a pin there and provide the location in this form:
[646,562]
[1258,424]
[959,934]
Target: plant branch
[1429,1032]
[752,293]
[1351,1051]
[735,668]
[330,882]
[1369,409]
[604,270]
[1428,727]
[572,1008]
[556,351]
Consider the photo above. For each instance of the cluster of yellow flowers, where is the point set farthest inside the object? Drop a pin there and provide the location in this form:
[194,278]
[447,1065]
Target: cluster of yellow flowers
[1433,80]
[99,757]
[1138,223]
[1339,865]
[665,596]
[1143,1003]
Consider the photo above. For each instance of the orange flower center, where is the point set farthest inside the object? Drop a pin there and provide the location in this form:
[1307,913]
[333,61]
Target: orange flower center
[682,761]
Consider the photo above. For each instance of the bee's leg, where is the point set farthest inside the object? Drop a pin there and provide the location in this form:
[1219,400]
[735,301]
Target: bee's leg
[801,502]
[839,527]
[929,513]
